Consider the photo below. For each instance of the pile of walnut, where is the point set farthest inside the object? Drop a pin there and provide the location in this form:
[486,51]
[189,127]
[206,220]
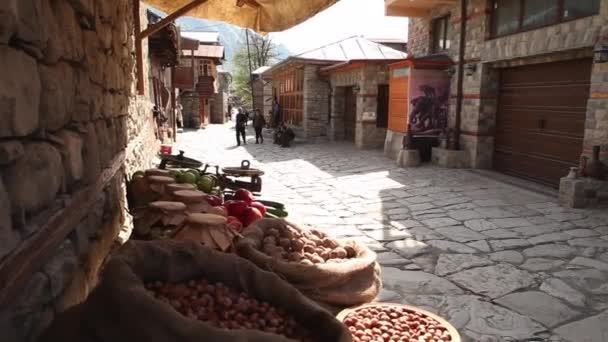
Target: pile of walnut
[394,324]
[226,308]
[306,247]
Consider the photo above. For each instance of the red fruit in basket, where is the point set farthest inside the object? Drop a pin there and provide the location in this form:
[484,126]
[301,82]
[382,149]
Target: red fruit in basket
[214,201]
[236,208]
[244,195]
[250,216]
[259,206]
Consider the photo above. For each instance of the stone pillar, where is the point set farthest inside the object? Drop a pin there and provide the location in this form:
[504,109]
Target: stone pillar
[336,127]
[368,135]
[191,109]
[316,104]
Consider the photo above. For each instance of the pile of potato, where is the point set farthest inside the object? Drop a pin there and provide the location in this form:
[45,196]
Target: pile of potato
[307,247]
[394,324]
[226,308]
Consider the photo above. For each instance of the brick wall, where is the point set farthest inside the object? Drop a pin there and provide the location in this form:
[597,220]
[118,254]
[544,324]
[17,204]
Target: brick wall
[68,108]
[569,40]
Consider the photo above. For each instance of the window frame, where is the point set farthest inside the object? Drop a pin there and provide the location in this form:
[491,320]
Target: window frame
[560,19]
[433,34]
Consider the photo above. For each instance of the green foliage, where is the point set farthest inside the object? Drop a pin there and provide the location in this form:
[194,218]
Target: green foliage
[263,52]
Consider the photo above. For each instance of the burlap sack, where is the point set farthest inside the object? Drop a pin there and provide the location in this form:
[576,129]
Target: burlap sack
[355,281]
[121,310]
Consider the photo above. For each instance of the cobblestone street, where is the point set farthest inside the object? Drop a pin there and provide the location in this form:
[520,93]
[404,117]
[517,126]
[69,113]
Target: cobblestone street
[500,262]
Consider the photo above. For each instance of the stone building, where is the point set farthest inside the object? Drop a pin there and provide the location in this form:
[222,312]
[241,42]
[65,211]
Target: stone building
[332,91]
[262,92]
[533,99]
[164,56]
[203,63]
[72,127]
[360,93]
[219,105]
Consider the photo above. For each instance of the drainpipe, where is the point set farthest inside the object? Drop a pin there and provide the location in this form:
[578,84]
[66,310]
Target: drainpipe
[455,141]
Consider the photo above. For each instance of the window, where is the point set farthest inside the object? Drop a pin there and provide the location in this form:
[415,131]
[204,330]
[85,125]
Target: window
[440,35]
[204,68]
[512,16]
[577,8]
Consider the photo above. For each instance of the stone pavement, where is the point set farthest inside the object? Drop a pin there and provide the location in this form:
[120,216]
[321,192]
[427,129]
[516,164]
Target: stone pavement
[498,261]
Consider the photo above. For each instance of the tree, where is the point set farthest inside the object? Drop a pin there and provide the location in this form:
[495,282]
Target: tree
[262,52]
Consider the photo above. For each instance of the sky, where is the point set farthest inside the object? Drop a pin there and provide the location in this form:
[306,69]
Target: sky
[344,19]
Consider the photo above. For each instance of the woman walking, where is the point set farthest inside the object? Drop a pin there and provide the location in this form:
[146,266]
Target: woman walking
[258,123]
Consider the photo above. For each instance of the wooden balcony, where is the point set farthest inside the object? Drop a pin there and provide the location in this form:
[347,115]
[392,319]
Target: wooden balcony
[413,8]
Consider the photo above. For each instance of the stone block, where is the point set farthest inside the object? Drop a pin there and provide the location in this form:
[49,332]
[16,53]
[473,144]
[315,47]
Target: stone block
[10,151]
[70,32]
[61,268]
[83,96]
[393,144]
[450,158]
[104,142]
[19,93]
[31,17]
[34,180]
[8,20]
[72,155]
[9,239]
[572,193]
[408,158]
[57,97]
[91,154]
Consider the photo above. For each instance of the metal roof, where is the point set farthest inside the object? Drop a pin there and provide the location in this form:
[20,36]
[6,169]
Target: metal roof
[352,48]
[203,37]
[260,70]
[208,51]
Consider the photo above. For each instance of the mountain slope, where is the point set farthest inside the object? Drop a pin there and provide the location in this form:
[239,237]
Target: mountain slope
[231,36]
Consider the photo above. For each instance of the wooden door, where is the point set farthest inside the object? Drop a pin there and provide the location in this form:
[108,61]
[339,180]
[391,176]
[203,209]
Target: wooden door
[382,108]
[541,119]
[350,114]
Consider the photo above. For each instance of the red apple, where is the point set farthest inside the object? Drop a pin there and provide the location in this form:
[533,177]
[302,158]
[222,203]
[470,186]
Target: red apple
[214,201]
[236,208]
[244,195]
[250,216]
[259,206]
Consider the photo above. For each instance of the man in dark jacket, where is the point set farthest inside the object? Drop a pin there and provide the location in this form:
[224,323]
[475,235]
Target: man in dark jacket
[258,123]
[240,127]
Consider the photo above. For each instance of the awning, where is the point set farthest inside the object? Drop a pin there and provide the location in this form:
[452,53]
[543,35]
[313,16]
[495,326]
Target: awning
[260,15]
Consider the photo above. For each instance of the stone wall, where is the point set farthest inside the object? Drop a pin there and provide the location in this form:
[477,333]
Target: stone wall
[219,106]
[367,78]
[191,103]
[569,40]
[68,108]
[316,104]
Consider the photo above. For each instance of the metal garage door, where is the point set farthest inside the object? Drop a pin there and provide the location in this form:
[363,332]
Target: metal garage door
[541,119]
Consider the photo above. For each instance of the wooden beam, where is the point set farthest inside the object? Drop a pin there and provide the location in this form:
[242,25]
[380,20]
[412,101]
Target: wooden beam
[17,268]
[173,105]
[170,18]
[139,58]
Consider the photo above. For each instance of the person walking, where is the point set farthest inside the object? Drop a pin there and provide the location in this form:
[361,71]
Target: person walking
[277,113]
[258,123]
[240,127]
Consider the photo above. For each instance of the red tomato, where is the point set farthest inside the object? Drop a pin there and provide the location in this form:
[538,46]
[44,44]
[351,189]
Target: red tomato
[250,216]
[236,208]
[259,206]
[244,195]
